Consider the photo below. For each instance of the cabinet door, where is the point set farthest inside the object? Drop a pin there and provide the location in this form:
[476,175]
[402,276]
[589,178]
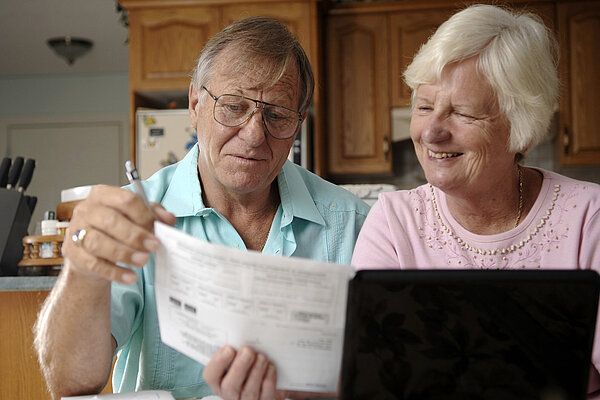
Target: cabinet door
[296,16]
[579,30]
[358,101]
[408,31]
[165,42]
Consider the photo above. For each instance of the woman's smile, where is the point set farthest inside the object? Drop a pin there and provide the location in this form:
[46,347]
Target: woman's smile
[439,156]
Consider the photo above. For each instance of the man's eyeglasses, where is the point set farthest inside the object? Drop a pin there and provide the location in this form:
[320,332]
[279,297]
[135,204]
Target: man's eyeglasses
[233,110]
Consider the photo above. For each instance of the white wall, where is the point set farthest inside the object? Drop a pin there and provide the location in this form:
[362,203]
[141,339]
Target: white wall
[68,94]
[76,127]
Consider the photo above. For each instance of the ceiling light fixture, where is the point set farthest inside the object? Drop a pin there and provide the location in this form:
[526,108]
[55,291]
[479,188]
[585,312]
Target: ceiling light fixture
[69,47]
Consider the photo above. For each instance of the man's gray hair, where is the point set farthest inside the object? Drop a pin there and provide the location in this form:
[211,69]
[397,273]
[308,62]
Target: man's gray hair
[516,53]
[257,40]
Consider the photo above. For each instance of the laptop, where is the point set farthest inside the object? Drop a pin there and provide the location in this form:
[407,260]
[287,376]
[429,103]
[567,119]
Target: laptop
[469,334]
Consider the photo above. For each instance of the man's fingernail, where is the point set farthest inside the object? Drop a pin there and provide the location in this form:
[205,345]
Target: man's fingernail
[246,354]
[139,258]
[129,277]
[261,359]
[271,370]
[227,352]
[151,245]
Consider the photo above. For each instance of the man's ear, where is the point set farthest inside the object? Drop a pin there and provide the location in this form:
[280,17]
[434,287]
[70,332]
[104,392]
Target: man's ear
[193,104]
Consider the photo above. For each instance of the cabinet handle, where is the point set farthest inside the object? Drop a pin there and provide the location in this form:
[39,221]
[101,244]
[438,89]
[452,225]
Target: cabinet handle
[566,140]
[386,147]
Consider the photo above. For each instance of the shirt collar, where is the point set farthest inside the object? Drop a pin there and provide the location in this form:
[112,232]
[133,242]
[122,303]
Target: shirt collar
[183,197]
[296,199]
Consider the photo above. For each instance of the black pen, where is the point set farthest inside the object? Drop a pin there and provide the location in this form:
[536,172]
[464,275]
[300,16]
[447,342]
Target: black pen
[134,178]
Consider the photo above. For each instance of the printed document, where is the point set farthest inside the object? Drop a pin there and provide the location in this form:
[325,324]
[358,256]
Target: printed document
[291,309]
[143,395]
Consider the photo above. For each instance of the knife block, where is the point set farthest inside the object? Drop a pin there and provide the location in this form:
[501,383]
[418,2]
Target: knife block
[14,221]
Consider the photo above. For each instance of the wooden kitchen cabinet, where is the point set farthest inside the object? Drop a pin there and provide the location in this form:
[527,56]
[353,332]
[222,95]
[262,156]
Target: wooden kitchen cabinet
[408,31]
[20,373]
[296,16]
[358,100]
[166,37]
[164,44]
[579,117]
[367,49]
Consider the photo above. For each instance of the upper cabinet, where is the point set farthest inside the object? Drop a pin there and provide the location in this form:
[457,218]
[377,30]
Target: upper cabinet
[358,101]
[408,31]
[579,121]
[295,15]
[164,44]
[367,49]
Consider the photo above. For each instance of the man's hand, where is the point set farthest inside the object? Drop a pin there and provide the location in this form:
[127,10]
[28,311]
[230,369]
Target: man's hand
[242,375]
[118,228]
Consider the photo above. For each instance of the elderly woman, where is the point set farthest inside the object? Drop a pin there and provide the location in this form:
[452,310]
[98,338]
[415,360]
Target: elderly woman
[485,87]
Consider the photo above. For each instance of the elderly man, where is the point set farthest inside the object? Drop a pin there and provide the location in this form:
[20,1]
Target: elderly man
[249,93]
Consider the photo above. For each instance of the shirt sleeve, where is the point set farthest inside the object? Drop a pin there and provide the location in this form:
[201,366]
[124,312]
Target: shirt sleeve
[589,258]
[589,251]
[374,247]
[126,310]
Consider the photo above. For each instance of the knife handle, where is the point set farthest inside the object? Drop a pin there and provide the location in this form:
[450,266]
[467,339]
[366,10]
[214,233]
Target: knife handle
[15,172]
[26,174]
[31,202]
[4,167]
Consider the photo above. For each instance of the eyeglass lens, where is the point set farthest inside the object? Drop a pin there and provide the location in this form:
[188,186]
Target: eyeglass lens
[232,110]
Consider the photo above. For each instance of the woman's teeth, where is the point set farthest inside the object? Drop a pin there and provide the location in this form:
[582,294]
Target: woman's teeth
[442,155]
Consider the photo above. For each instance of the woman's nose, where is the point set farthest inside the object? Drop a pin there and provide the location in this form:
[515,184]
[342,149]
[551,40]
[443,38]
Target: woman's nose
[436,129]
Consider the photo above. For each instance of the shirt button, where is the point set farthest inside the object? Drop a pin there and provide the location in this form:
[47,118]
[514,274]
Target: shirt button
[333,205]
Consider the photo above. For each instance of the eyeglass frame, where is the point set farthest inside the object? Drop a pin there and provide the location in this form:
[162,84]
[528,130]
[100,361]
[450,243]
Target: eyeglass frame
[256,103]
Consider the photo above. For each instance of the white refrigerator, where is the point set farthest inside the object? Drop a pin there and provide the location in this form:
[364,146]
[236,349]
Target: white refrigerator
[164,137]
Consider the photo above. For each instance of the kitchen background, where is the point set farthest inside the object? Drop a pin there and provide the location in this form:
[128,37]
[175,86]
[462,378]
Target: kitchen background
[75,119]
[72,119]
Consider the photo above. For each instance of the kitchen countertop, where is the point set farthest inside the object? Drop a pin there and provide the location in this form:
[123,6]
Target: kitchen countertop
[26,283]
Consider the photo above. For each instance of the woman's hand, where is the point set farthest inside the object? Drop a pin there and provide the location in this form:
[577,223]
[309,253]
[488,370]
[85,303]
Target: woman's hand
[117,227]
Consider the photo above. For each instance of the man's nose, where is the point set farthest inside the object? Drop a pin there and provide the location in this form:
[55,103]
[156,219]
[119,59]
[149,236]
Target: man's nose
[253,131]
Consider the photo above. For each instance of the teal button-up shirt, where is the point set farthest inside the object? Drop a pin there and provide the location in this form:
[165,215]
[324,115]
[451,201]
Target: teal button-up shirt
[315,220]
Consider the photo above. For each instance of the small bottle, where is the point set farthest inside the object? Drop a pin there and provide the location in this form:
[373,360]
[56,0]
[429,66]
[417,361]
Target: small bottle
[48,228]
[61,227]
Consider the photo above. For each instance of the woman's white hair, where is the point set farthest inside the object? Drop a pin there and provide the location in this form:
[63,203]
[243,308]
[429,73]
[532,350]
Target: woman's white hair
[516,53]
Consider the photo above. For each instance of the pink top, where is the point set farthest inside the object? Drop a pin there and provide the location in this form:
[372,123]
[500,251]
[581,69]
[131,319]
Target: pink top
[414,229]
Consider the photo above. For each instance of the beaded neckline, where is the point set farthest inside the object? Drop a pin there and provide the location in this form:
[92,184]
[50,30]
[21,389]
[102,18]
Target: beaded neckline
[465,246]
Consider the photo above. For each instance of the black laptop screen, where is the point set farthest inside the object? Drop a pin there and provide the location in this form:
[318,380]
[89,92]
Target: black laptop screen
[469,334]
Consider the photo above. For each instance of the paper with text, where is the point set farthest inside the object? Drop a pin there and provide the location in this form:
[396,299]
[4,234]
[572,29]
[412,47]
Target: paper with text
[143,395]
[291,309]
